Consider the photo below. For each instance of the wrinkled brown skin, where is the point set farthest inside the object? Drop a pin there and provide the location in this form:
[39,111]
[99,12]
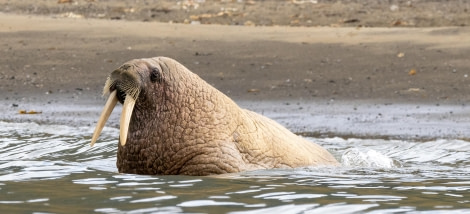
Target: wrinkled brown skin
[182,125]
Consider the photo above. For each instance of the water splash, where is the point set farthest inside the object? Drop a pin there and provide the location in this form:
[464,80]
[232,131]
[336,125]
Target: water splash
[355,157]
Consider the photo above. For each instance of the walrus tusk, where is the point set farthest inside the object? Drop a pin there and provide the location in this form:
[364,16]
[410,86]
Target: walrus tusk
[126,114]
[108,108]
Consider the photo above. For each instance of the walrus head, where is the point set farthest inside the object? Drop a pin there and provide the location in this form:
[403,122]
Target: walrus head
[173,122]
[147,82]
[166,111]
[124,85]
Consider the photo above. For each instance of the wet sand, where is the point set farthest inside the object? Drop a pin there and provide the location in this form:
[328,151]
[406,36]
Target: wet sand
[319,80]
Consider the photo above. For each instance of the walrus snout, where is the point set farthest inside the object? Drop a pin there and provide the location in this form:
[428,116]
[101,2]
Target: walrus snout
[126,80]
[123,85]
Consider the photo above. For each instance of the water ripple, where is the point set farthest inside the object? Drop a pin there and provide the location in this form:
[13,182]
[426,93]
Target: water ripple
[204,203]
[53,169]
[153,199]
[285,209]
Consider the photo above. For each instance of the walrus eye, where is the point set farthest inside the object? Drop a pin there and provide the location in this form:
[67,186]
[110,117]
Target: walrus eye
[155,75]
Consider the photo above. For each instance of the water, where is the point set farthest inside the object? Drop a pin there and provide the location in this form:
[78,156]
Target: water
[52,169]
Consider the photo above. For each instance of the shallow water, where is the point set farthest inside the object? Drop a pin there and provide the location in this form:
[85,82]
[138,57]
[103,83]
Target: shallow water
[52,169]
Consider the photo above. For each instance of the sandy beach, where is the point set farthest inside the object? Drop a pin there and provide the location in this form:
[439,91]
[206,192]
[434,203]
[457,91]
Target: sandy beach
[57,65]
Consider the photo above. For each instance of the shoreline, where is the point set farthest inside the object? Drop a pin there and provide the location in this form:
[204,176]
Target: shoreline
[315,81]
[256,62]
[319,118]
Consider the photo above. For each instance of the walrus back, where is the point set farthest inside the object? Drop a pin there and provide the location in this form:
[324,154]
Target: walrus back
[284,148]
[264,142]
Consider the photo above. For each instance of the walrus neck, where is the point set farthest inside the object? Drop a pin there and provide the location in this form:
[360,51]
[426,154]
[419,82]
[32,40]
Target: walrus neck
[172,147]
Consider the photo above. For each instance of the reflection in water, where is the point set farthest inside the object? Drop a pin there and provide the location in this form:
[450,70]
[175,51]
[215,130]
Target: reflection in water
[45,168]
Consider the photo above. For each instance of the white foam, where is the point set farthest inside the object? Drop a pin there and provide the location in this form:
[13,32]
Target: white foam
[355,157]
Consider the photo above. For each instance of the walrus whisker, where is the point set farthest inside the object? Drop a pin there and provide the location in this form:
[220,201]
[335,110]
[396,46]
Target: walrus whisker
[108,85]
[133,91]
[108,108]
[126,114]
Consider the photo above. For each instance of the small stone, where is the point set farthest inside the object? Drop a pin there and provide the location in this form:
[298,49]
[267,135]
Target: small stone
[249,23]
[64,1]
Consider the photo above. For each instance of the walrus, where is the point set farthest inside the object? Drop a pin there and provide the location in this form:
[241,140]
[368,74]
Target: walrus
[174,123]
